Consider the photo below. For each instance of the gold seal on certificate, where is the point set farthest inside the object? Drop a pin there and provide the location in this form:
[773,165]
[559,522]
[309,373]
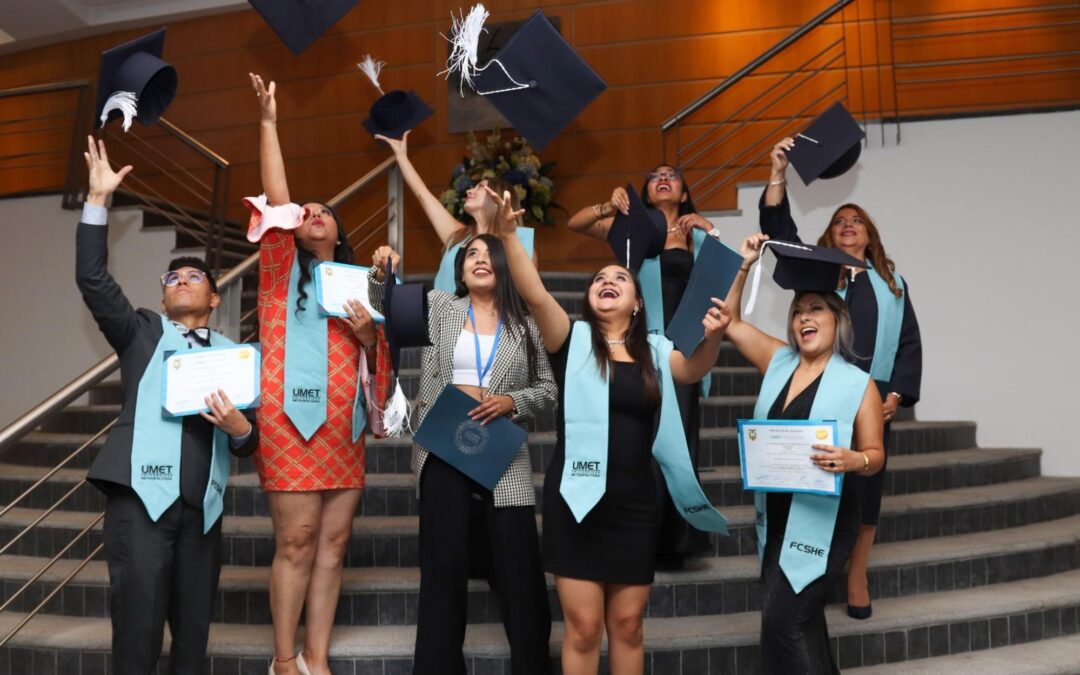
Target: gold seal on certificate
[193,374]
[775,456]
[336,283]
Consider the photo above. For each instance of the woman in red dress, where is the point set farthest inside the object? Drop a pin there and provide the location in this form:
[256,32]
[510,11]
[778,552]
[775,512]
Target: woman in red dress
[313,486]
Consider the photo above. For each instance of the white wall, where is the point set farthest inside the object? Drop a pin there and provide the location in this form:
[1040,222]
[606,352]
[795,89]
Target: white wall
[979,216]
[49,337]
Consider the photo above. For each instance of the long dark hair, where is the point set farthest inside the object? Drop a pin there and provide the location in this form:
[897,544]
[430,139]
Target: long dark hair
[637,340]
[343,253]
[685,207]
[508,302]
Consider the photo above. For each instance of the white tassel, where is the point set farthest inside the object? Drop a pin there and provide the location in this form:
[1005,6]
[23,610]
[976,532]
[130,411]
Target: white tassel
[125,102]
[464,39]
[371,67]
[757,271]
[397,412]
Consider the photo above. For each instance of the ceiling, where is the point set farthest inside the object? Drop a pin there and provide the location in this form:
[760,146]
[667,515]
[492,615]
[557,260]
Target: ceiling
[31,23]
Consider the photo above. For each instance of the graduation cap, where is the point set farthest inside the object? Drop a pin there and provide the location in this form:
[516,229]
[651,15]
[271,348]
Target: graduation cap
[803,267]
[405,309]
[300,22]
[537,80]
[134,82]
[828,147]
[395,112]
[639,234]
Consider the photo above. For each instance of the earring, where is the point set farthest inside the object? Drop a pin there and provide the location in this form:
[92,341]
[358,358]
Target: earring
[636,310]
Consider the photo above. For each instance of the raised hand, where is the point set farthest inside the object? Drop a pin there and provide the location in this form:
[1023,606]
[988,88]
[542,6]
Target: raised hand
[691,221]
[716,319]
[103,180]
[778,155]
[750,249]
[620,201]
[507,215]
[267,102]
[399,146]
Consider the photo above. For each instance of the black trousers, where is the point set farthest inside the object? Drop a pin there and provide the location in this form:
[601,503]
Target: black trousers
[160,571]
[452,508]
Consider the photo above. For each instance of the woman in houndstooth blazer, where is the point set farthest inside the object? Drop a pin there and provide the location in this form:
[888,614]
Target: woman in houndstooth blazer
[455,511]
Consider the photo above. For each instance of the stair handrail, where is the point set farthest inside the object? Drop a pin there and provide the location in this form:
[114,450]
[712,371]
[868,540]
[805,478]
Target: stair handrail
[753,65]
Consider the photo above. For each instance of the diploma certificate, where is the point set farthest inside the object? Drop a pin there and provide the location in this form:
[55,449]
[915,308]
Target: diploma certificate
[336,282]
[775,456]
[193,374]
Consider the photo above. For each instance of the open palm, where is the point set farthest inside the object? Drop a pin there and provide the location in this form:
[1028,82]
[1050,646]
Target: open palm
[103,180]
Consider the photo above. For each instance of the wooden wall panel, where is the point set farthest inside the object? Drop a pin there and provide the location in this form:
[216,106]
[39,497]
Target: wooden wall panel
[656,58]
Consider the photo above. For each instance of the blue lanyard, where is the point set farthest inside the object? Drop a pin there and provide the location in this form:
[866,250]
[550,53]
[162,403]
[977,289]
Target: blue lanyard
[480,373]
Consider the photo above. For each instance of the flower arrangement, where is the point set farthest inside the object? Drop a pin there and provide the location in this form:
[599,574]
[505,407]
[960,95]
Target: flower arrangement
[515,162]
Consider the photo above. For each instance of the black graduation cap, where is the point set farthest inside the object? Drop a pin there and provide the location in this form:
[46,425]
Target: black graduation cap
[134,82]
[645,229]
[395,112]
[405,309]
[300,22]
[828,147]
[804,267]
[537,81]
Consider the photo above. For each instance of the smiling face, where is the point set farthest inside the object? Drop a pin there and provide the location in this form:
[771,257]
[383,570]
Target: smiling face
[612,292]
[813,325]
[665,186]
[477,272]
[849,231]
[318,229]
[189,295]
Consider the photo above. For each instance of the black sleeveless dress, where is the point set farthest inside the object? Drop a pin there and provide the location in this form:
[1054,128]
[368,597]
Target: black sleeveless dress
[616,541]
[794,636]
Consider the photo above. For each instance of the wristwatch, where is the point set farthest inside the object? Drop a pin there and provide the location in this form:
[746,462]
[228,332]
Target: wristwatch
[714,233]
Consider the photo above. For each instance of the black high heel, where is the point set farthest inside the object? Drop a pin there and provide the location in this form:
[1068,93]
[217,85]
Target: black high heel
[860,613]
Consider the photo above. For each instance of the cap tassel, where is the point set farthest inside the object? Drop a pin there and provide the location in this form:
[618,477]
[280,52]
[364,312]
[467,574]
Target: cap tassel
[465,40]
[397,412]
[124,101]
[371,67]
[757,271]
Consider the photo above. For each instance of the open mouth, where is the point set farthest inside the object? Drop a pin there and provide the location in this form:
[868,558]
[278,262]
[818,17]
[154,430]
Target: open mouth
[807,332]
[608,293]
[663,187]
[481,272]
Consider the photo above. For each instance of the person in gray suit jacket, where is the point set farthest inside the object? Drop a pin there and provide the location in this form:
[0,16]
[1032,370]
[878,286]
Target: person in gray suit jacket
[162,530]
[518,384]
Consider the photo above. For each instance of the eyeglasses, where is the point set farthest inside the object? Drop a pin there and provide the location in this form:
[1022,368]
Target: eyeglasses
[663,175]
[191,276]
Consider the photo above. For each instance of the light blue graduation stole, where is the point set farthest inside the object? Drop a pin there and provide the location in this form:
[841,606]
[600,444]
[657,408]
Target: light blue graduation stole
[155,440]
[306,363]
[444,278]
[890,318]
[653,295]
[585,398]
[812,518]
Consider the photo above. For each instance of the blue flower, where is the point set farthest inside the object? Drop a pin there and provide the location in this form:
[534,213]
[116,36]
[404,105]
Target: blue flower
[462,183]
[458,170]
[515,177]
[527,169]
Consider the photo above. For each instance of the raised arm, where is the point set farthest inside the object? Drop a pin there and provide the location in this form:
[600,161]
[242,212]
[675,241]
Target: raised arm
[774,211]
[595,221]
[690,370]
[445,224]
[271,162]
[757,346]
[549,315]
[105,299]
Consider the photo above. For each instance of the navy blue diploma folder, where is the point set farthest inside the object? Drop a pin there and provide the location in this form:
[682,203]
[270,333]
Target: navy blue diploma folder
[481,452]
[714,271]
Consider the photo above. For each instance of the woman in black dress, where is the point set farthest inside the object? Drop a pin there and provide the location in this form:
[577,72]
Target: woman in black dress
[604,564]
[807,370]
[895,366]
[665,190]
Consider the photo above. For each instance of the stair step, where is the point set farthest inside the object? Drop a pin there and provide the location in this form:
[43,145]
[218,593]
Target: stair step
[388,595]
[1056,656]
[901,629]
[391,494]
[391,541]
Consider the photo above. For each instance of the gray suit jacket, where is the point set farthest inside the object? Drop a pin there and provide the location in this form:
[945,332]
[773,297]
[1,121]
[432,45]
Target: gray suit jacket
[509,376]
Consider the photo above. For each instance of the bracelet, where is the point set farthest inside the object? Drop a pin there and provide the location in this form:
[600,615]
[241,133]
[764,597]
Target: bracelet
[778,182]
[899,397]
[599,209]
[743,269]
[865,462]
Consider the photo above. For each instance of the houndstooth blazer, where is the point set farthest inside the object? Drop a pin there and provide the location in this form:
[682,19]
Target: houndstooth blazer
[509,376]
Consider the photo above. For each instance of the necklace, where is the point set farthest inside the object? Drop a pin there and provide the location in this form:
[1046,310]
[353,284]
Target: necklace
[612,343]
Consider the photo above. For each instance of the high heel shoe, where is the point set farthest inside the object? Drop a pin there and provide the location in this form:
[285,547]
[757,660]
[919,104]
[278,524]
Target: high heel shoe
[860,613]
[301,665]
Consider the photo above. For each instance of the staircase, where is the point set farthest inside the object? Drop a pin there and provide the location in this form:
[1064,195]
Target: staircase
[977,553]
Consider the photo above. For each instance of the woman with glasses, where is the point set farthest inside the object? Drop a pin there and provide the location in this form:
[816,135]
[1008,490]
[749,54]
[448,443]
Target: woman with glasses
[665,190]
[315,373]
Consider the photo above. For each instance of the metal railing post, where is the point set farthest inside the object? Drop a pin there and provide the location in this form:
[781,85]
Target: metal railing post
[395,226]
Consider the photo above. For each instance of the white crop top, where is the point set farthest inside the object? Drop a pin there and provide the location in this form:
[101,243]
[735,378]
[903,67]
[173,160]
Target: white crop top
[465,359]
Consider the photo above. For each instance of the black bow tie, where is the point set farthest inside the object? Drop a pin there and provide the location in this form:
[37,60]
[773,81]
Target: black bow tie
[201,335]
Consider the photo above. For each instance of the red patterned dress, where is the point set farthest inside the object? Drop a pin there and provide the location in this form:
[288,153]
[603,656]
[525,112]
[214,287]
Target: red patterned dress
[329,460]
